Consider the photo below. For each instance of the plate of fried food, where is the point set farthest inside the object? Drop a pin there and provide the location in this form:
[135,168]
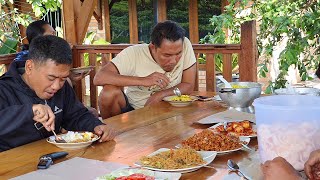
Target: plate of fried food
[180,101]
[242,128]
[82,69]
[132,173]
[180,160]
[208,140]
[74,140]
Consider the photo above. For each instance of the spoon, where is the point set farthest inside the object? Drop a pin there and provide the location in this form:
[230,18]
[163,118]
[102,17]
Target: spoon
[58,139]
[177,91]
[247,147]
[226,83]
[234,167]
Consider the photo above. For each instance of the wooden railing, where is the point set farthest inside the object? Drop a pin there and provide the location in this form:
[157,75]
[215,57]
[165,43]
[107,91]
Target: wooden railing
[246,52]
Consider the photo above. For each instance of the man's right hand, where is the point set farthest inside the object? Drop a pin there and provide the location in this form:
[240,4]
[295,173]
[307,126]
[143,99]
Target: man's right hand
[44,115]
[314,159]
[156,78]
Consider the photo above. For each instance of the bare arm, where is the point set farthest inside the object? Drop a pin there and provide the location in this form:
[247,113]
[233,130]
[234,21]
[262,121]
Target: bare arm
[186,86]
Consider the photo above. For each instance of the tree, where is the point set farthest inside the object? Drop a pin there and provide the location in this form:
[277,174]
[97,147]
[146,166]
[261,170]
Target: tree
[295,20]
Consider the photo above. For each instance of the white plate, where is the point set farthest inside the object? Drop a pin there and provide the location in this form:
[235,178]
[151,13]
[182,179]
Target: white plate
[129,171]
[245,139]
[208,157]
[254,127]
[179,103]
[84,69]
[72,145]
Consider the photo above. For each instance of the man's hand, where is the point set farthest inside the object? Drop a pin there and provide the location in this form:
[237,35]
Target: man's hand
[106,132]
[314,159]
[154,99]
[44,115]
[279,168]
[157,79]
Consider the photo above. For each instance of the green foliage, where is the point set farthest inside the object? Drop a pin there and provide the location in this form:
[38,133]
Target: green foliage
[297,20]
[40,7]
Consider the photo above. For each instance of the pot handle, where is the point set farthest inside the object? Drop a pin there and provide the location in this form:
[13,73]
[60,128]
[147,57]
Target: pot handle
[228,91]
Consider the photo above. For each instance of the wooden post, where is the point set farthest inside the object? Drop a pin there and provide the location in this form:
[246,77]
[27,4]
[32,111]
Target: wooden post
[227,67]
[133,21]
[162,10]
[248,57]
[77,63]
[93,88]
[107,27]
[69,22]
[210,73]
[193,21]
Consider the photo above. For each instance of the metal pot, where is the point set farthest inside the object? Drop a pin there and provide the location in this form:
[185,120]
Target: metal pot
[240,98]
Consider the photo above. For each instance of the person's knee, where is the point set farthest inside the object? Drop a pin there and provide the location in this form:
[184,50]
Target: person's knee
[110,94]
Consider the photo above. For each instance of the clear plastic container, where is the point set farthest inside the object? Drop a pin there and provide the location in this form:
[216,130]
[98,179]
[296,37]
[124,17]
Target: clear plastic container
[288,126]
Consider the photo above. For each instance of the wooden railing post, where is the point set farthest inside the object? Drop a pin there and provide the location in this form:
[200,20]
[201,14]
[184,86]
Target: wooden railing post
[77,63]
[248,57]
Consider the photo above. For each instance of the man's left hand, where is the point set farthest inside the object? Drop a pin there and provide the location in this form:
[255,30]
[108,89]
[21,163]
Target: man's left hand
[154,99]
[279,168]
[106,132]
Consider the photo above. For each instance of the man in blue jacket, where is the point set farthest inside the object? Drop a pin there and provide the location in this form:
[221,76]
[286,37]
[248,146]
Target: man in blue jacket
[38,101]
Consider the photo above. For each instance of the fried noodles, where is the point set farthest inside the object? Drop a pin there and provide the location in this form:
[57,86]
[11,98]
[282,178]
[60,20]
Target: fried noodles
[173,159]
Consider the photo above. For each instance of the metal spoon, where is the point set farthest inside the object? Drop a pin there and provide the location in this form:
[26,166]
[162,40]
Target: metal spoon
[226,83]
[247,147]
[234,167]
[58,139]
[177,91]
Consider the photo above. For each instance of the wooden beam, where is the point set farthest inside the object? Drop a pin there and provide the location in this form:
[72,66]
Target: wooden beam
[210,73]
[97,14]
[84,17]
[249,54]
[193,21]
[107,27]
[69,21]
[133,21]
[162,10]
[227,66]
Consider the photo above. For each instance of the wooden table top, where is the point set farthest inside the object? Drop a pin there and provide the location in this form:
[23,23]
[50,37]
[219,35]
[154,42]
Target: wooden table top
[143,132]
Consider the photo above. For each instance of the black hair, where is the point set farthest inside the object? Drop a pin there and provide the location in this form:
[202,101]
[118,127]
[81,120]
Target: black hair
[318,72]
[166,30]
[44,48]
[35,29]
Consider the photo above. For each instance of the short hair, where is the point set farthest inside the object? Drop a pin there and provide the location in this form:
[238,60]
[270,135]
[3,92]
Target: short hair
[166,30]
[35,29]
[44,48]
[318,72]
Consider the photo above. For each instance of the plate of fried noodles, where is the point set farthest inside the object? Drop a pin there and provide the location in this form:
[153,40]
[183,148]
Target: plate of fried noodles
[181,160]
[180,101]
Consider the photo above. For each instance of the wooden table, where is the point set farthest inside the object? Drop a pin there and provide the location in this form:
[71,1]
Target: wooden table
[143,131]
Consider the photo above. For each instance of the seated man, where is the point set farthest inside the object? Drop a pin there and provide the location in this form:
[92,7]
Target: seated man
[150,71]
[35,103]
[279,168]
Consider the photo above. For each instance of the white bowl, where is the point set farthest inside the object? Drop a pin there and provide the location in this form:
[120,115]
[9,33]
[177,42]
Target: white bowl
[72,145]
[179,103]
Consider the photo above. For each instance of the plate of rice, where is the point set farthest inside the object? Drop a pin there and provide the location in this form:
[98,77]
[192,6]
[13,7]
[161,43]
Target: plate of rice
[181,160]
[180,101]
[74,140]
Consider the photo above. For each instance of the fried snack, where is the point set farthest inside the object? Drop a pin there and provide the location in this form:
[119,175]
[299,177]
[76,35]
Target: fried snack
[173,159]
[243,128]
[183,98]
[207,140]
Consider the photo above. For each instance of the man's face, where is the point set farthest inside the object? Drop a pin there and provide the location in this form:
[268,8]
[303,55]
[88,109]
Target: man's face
[48,30]
[168,54]
[47,78]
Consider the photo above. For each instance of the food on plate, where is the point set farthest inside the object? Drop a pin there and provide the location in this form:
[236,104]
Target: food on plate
[243,128]
[76,137]
[173,159]
[237,86]
[181,98]
[136,176]
[208,140]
